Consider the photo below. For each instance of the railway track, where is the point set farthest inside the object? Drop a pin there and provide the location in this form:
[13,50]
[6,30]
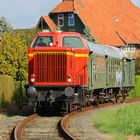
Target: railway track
[18,131]
[50,128]
[38,128]
[64,127]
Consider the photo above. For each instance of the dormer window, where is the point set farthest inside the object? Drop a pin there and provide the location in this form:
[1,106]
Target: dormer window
[71,19]
[60,20]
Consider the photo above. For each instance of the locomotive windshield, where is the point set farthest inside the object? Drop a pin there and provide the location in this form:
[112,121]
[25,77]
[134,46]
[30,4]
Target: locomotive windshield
[43,41]
[72,42]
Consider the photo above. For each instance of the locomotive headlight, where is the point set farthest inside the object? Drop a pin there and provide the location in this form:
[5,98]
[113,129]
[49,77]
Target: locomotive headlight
[32,79]
[69,78]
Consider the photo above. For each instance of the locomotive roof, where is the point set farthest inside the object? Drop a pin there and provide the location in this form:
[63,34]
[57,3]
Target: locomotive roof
[44,33]
[105,50]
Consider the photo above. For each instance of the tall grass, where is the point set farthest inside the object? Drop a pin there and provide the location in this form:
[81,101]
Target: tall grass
[121,122]
[136,91]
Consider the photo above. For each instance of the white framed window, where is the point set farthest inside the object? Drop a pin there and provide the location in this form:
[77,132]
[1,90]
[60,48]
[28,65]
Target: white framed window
[130,48]
[71,19]
[60,20]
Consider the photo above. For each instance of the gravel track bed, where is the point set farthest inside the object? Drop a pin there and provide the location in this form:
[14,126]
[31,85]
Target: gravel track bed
[82,128]
[44,128]
[7,124]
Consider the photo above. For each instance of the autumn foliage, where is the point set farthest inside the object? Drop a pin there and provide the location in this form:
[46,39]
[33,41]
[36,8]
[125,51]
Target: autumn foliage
[13,53]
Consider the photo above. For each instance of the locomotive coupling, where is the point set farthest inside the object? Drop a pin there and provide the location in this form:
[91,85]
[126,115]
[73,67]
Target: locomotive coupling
[76,99]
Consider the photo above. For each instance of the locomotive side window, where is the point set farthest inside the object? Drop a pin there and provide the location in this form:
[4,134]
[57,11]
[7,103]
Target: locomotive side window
[42,41]
[72,42]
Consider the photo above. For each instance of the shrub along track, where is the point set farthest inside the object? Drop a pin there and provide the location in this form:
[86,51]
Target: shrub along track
[49,128]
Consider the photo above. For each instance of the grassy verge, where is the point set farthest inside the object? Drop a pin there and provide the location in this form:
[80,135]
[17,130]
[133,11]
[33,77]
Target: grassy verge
[136,91]
[121,123]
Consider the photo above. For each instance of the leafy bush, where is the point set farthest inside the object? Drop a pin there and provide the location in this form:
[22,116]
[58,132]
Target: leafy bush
[13,56]
[13,53]
[6,88]
[138,64]
[136,91]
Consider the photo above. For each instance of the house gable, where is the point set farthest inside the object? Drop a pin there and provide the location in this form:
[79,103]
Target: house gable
[78,24]
[113,22]
[46,23]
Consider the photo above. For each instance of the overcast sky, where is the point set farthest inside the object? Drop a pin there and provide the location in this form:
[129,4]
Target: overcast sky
[26,13]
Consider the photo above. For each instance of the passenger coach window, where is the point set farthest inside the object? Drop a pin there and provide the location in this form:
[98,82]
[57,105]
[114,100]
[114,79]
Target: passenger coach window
[42,41]
[72,42]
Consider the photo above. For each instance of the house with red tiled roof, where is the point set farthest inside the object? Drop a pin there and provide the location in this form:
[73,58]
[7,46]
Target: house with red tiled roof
[112,22]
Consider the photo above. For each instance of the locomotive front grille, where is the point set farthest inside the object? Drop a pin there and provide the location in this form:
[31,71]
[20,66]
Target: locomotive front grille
[50,67]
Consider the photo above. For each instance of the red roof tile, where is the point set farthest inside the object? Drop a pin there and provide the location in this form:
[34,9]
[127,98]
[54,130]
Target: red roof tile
[129,37]
[50,23]
[65,6]
[107,19]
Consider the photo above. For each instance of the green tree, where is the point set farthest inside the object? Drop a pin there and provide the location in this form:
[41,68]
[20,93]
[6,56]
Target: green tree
[14,60]
[26,35]
[4,25]
[13,53]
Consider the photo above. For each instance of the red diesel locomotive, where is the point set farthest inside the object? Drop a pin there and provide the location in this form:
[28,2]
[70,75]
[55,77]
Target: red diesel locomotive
[66,70]
[57,68]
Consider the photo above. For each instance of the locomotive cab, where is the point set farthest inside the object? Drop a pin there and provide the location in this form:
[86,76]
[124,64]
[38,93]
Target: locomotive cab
[57,68]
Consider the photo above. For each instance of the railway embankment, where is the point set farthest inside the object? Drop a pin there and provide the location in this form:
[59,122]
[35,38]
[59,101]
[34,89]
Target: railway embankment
[119,121]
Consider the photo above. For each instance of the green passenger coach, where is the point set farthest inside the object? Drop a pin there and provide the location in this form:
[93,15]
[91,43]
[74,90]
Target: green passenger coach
[109,70]
[97,67]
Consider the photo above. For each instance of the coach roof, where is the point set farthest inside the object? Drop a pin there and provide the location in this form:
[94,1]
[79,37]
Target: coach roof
[105,50]
[113,52]
[95,48]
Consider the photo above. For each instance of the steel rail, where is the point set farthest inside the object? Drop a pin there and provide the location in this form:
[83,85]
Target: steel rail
[63,128]
[62,125]
[18,130]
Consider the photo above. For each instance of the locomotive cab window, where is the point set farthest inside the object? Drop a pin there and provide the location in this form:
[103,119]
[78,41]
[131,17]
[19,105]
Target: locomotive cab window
[72,42]
[43,41]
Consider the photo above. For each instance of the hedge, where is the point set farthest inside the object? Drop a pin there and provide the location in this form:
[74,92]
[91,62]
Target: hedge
[7,88]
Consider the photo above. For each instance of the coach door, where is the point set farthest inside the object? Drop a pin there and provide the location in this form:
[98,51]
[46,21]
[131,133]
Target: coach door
[93,71]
